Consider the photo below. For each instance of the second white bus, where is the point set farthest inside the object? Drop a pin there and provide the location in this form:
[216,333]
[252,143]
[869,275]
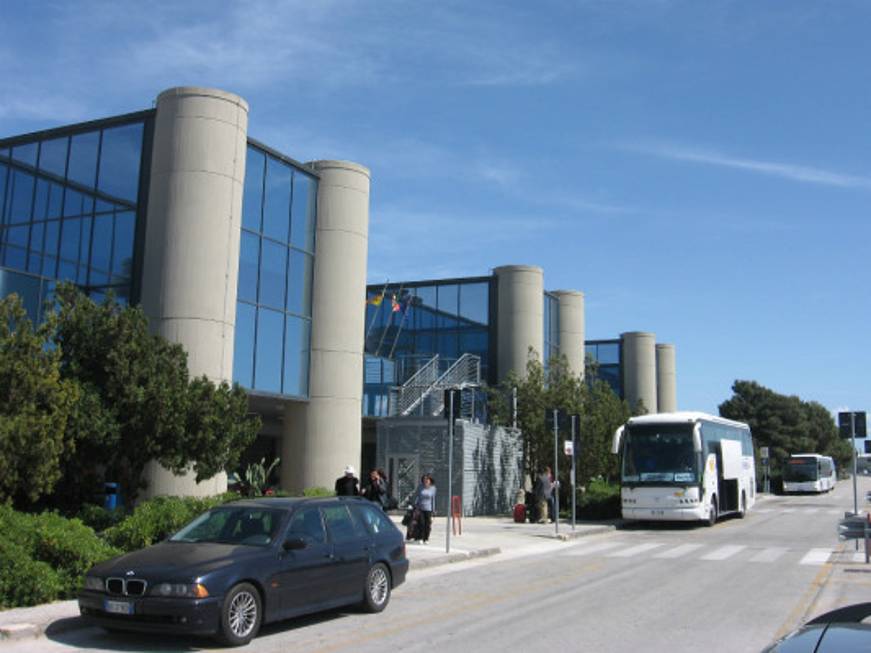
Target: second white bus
[809,472]
[684,467]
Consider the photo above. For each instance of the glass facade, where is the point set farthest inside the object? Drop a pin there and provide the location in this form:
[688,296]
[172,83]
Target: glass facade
[276,259]
[69,207]
[608,355]
[551,328]
[407,324]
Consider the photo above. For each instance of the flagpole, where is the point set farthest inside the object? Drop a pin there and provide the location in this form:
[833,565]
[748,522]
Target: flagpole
[401,324]
[386,327]
[377,310]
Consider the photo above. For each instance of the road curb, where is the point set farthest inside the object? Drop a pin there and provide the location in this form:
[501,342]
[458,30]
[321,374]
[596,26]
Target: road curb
[574,535]
[449,558]
[14,632]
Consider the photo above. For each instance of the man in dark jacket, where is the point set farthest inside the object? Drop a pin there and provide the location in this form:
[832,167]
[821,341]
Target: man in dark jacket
[347,485]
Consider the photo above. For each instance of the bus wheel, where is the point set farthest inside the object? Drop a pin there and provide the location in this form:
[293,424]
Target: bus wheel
[742,513]
[712,515]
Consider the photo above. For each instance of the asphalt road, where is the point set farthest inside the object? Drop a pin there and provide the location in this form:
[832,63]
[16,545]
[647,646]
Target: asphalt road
[733,587]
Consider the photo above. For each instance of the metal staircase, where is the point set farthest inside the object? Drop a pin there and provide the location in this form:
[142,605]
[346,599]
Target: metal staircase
[423,393]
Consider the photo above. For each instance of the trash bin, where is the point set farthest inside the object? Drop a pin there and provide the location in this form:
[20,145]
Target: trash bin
[110,501]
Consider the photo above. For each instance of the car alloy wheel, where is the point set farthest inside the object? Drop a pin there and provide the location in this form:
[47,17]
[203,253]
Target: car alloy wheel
[241,615]
[377,590]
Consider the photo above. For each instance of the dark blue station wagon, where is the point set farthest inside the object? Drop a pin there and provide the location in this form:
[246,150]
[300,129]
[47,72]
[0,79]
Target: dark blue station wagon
[251,562]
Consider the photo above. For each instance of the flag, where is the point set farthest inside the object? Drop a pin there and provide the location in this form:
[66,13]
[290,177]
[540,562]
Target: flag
[376,300]
[395,305]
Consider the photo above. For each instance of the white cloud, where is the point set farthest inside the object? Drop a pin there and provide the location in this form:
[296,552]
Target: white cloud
[792,172]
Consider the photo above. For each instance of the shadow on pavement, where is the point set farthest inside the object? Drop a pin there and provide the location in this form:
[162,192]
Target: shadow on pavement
[74,632]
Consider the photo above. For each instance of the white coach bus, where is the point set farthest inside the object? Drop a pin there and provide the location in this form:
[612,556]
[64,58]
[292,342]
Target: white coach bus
[685,467]
[809,472]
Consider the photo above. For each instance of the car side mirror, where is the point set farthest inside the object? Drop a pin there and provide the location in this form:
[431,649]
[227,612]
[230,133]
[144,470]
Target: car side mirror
[294,544]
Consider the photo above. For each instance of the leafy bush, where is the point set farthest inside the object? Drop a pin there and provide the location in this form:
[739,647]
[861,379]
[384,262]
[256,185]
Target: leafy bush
[158,518]
[43,557]
[98,517]
[317,492]
[600,501]
[70,547]
[23,580]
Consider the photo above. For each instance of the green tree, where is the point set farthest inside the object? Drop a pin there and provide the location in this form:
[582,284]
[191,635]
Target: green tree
[785,424]
[35,406]
[137,402]
[600,410]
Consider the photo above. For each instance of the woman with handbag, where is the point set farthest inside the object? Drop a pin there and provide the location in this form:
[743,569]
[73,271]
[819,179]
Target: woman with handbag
[423,507]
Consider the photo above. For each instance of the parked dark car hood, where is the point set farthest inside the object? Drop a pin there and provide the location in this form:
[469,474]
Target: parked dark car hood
[178,559]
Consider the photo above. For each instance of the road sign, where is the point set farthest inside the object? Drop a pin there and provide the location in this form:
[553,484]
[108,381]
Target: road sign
[852,424]
[763,453]
[853,527]
[569,447]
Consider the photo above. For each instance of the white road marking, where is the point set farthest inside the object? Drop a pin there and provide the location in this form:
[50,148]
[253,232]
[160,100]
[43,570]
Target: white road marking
[635,550]
[785,510]
[594,548]
[816,557]
[724,552]
[810,511]
[769,554]
[678,551]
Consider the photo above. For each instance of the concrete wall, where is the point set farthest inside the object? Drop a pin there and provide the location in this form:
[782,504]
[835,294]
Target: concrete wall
[519,317]
[192,240]
[323,436]
[571,329]
[639,369]
[666,378]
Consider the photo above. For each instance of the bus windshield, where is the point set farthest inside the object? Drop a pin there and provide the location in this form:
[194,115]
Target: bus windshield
[660,454]
[800,470]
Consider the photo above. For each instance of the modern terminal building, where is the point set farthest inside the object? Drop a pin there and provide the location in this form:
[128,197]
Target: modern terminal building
[256,264]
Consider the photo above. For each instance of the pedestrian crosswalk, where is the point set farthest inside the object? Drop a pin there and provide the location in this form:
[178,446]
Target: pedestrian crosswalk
[720,552]
[799,511]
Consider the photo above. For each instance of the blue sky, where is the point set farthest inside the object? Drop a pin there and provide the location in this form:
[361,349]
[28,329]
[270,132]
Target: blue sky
[701,170]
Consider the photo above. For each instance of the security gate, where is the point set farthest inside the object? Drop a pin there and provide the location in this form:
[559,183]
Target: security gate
[402,471]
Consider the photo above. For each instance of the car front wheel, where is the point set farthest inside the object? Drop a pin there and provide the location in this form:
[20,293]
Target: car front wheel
[376,594]
[241,614]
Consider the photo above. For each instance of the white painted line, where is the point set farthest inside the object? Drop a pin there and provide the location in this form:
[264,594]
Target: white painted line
[858,556]
[635,550]
[769,554]
[810,511]
[593,548]
[816,557]
[724,552]
[678,551]
[785,510]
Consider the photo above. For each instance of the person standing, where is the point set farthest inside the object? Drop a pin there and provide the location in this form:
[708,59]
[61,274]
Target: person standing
[347,484]
[543,495]
[376,489]
[424,507]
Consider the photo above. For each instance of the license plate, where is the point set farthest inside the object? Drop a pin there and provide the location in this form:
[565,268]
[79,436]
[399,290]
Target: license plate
[118,607]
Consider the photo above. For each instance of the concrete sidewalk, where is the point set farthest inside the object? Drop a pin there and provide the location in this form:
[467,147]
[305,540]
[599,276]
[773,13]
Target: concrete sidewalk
[481,537]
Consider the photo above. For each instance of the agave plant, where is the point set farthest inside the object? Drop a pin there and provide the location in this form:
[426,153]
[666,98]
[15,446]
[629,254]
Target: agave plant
[255,479]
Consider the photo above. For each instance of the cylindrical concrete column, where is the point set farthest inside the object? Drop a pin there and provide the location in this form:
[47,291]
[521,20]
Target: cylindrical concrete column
[519,317]
[639,369]
[666,379]
[192,239]
[571,329]
[323,436]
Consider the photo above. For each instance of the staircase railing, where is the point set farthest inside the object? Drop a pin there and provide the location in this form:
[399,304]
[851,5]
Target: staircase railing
[405,398]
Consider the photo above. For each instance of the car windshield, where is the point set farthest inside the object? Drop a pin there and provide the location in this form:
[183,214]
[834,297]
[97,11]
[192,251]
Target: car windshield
[660,453]
[233,525]
[798,470]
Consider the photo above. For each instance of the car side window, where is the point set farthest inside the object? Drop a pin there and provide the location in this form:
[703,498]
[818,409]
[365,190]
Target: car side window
[340,524]
[307,525]
[375,520]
